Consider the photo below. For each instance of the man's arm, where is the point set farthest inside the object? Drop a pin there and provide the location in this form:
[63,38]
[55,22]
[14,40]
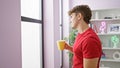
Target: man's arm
[90,63]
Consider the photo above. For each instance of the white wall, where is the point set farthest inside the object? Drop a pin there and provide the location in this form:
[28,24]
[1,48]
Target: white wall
[51,34]
[66,23]
[97,4]
[10,41]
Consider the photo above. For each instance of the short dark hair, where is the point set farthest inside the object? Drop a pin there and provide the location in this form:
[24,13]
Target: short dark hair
[84,10]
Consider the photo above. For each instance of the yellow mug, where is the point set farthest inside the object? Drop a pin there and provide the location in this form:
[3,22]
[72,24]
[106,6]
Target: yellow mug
[61,44]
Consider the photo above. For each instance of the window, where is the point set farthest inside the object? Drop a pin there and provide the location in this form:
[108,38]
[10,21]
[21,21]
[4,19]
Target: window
[31,33]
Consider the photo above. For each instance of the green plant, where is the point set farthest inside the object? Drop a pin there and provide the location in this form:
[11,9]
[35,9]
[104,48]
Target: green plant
[71,39]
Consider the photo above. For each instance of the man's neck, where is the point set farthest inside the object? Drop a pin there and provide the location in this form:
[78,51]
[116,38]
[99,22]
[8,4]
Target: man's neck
[82,28]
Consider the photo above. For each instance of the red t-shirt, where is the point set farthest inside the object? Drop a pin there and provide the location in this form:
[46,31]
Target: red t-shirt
[86,45]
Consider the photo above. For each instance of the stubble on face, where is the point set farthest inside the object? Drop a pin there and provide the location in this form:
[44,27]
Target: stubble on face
[74,21]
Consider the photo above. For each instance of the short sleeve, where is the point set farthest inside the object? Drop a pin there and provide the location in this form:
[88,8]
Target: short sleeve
[91,48]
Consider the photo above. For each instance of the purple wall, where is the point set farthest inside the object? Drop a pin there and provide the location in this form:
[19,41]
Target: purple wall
[10,42]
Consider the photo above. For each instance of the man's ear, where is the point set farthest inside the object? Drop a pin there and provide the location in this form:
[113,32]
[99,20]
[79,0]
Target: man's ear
[79,16]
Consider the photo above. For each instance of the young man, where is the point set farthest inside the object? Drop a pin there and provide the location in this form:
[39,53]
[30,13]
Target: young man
[87,48]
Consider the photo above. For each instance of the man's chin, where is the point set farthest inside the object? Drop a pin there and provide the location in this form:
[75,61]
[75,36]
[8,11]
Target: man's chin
[73,27]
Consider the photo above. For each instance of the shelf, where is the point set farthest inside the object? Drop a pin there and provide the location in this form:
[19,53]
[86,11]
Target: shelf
[108,34]
[92,20]
[111,18]
[104,67]
[110,60]
[110,48]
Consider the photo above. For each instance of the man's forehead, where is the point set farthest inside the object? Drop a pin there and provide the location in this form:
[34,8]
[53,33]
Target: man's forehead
[73,14]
